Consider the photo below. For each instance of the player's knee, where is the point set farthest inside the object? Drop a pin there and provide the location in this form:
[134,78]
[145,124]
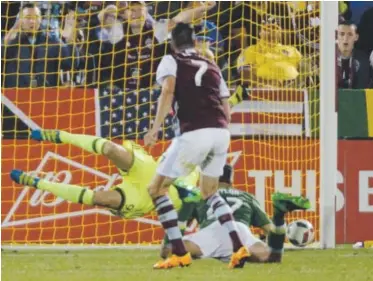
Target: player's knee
[193,249]
[209,186]
[109,199]
[153,191]
[109,149]
[208,190]
[260,251]
[207,193]
[159,186]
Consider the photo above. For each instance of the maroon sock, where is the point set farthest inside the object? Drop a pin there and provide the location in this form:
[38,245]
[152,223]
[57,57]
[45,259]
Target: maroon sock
[167,215]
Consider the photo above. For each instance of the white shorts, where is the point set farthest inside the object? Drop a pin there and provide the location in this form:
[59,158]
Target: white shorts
[206,148]
[215,242]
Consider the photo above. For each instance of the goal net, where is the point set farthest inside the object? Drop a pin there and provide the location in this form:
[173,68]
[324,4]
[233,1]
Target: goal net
[90,69]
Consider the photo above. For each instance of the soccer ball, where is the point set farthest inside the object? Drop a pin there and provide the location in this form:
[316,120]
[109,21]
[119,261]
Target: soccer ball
[300,233]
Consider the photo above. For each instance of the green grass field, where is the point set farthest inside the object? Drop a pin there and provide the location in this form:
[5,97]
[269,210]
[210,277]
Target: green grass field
[113,265]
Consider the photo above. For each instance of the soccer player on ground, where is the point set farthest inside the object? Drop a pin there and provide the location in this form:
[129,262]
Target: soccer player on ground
[212,241]
[200,94]
[130,199]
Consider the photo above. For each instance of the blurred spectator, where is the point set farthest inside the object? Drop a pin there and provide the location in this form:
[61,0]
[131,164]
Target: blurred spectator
[269,63]
[84,75]
[89,9]
[306,24]
[138,52]
[122,10]
[279,11]
[51,13]
[111,28]
[165,9]
[128,44]
[10,10]
[353,65]
[145,45]
[306,36]
[32,58]
[345,12]
[238,25]
[206,28]
[102,41]
[365,30]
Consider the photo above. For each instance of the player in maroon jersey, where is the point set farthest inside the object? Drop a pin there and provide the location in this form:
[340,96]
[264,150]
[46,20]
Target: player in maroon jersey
[199,93]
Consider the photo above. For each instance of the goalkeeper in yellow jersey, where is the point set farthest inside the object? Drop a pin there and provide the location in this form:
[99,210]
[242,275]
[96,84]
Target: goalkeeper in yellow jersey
[130,199]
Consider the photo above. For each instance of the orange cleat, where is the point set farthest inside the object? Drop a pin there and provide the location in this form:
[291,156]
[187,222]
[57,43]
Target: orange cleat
[174,261]
[238,258]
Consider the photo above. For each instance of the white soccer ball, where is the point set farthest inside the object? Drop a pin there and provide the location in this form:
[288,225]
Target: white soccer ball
[300,233]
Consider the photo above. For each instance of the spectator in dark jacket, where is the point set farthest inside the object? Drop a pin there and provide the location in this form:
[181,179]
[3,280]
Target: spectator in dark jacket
[365,42]
[84,74]
[353,65]
[32,58]
[102,41]
[144,44]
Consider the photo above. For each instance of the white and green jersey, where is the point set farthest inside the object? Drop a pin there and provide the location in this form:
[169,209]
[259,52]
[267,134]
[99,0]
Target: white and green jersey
[246,209]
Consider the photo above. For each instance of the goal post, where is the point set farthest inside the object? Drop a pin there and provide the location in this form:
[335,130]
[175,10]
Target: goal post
[328,123]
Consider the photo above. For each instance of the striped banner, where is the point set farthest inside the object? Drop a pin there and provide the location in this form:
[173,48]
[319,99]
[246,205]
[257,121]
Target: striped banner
[369,104]
[355,113]
[272,112]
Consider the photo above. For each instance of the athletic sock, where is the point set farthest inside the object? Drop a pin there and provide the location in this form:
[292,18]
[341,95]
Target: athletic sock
[89,143]
[276,238]
[167,215]
[278,217]
[276,243]
[72,193]
[225,216]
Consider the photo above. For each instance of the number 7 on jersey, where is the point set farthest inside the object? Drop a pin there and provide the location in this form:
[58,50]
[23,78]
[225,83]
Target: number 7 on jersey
[202,70]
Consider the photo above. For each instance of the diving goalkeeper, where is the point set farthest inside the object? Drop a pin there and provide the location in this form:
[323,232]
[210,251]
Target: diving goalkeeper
[130,199]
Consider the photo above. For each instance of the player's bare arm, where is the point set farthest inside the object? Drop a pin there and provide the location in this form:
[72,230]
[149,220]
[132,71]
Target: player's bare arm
[164,107]
[187,16]
[163,27]
[12,33]
[225,96]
